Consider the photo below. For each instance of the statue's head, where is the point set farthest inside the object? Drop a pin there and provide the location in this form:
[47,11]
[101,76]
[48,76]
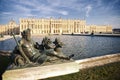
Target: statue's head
[26,34]
[58,43]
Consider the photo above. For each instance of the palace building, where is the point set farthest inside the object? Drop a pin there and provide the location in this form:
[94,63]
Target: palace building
[40,26]
[9,28]
[53,26]
[98,29]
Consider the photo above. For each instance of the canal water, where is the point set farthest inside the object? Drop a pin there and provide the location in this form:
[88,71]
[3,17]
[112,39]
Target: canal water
[81,46]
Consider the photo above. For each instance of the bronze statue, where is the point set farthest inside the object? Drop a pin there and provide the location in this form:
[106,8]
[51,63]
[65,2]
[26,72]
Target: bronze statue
[30,49]
[27,51]
[58,51]
[53,50]
[58,46]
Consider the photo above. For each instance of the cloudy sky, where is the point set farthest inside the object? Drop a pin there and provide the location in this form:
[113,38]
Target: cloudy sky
[99,12]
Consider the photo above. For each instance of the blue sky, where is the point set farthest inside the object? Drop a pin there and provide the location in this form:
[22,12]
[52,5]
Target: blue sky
[99,12]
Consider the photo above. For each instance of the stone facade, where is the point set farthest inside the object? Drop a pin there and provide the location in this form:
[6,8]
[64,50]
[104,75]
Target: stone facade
[98,29]
[40,26]
[52,26]
[9,28]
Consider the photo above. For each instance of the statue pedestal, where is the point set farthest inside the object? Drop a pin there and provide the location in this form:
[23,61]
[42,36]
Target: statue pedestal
[41,72]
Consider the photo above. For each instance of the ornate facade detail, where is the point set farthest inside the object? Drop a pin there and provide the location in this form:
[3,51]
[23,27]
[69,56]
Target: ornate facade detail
[9,28]
[52,26]
[41,26]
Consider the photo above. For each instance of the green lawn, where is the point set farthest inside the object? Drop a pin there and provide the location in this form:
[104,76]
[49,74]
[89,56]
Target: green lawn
[106,72]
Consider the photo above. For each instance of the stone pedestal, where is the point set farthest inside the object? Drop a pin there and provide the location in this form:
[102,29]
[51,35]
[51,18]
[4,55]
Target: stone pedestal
[41,72]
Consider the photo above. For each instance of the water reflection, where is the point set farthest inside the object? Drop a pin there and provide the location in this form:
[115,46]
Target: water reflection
[81,46]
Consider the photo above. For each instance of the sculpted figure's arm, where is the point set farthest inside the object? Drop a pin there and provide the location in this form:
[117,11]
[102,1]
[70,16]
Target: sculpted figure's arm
[59,56]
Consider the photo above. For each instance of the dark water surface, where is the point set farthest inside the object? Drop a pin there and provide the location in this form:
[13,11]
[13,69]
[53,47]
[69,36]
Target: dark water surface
[81,46]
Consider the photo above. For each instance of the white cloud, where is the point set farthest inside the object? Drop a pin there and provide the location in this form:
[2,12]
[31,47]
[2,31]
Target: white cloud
[22,8]
[63,12]
[47,9]
[26,7]
[70,4]
[6,13]
[88,9]
[27,2]
[54,2]
[23,11]
[40,8]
